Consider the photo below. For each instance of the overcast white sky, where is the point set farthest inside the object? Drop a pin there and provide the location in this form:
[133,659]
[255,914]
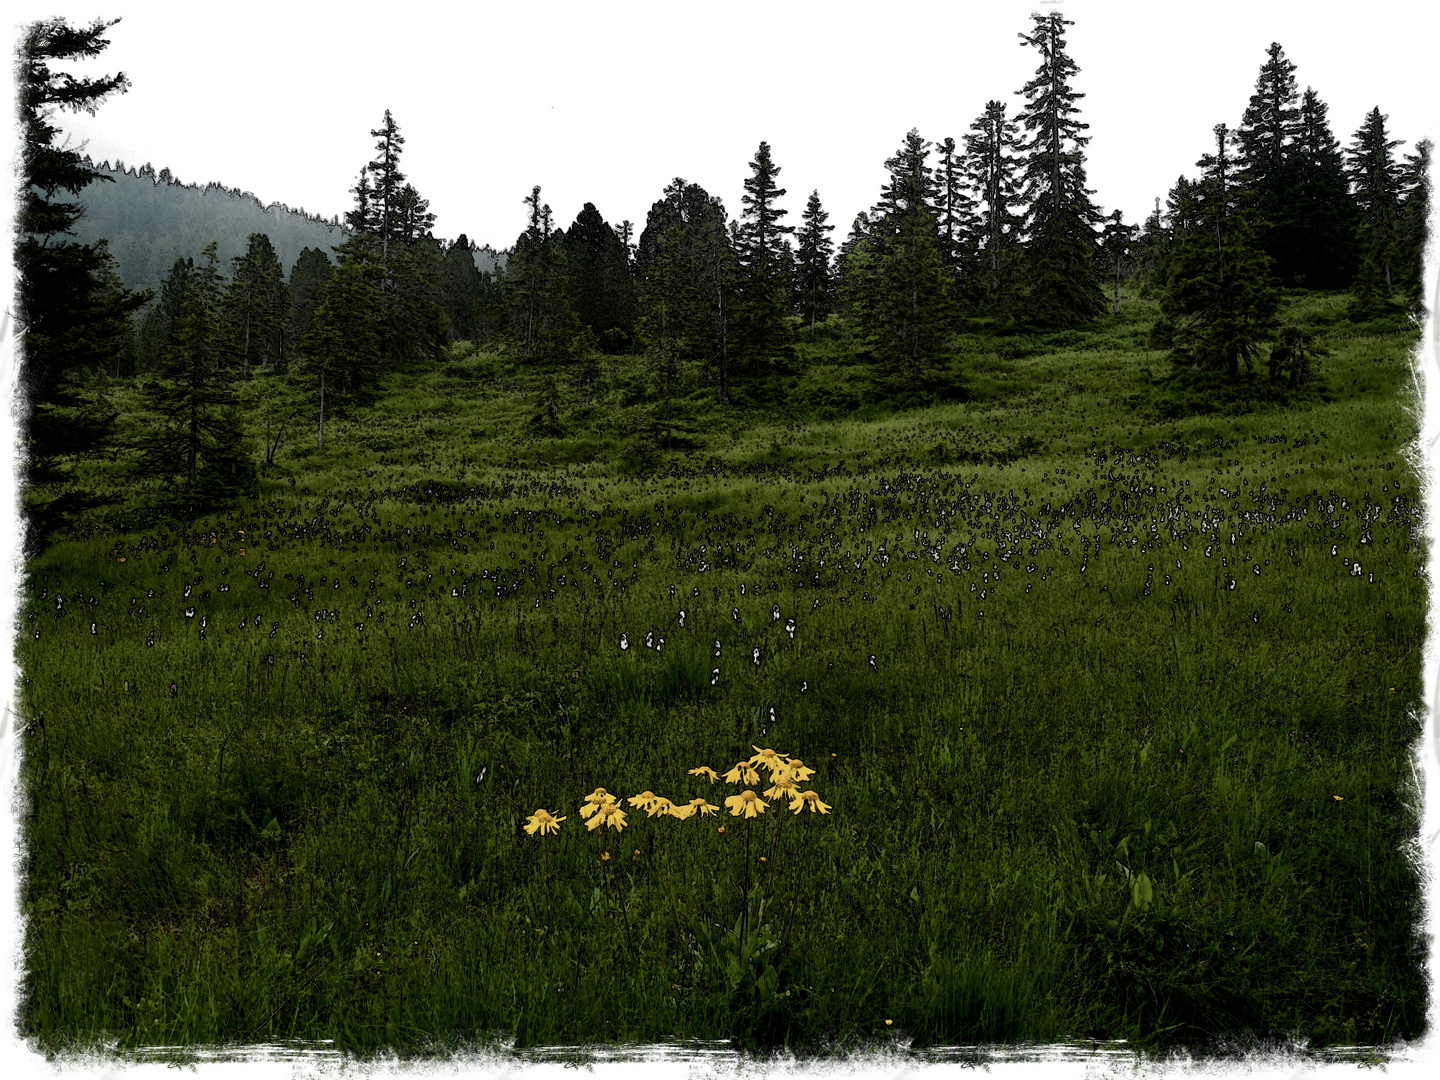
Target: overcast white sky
[607,102]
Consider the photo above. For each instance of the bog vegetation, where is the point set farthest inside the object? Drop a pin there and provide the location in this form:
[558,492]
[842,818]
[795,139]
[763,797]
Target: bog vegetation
[697,639]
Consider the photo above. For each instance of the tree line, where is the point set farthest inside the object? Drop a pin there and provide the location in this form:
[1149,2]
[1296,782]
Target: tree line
[994,232]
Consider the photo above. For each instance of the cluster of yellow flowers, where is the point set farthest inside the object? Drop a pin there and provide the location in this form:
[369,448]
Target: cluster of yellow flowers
[600,808]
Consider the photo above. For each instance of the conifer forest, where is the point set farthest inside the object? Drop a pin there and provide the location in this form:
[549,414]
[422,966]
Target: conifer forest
[1020,642]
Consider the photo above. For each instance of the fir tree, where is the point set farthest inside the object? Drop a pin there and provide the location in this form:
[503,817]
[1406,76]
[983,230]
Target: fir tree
[1117,244]
[602,289]
[1219,303]
[1375,179]
[1316,246]
[194,431]
[815,277]
[1060,219]
[537,286]
[1265,165]
[762,331]
[256,304]
[1413,232]
[462,286]
[307,277]
[992,167]
[342,350]
[955,212]
[71,317]
[708,254]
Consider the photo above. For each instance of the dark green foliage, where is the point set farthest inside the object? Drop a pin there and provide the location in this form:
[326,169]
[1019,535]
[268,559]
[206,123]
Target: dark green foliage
[815,279]
[537,287]
[902,295]
[256,305]
[1413,228]
[72,315]
[992,167]
[462,288]
[1218,306]
[1292,358]
[193,436]
[1314,239]
[955,216]
[698,290]
[1375,179]
[1117,249]
[345,340]
[309,275]
[759,315]
[1060,220]
[1266,159]
[601,286]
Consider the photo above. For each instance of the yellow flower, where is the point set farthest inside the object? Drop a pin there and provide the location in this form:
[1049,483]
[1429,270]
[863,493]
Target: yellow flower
[594,801]
[643,800]
[782,787]
[704,770]
[694,805]
[811,799]
[541,820]
[604,856]
[747,803]
[660,807]
[799,770]
[608,814]
[743,772]
[767,757]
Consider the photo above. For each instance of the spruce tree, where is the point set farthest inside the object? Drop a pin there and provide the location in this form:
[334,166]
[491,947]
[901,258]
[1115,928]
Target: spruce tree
[342,350]
[815,277]
[256,303]
[895,280]
[762,330]
[708,252]
[1265,159]
[1319,250]
[955,214]
[1413,231]
[992,167]
[307,277]
[194,433]
[71,317]
[1375,180]
[1117,246]
[537,287]
[602,289]
[1060,219]
[462,286]
[1218,306]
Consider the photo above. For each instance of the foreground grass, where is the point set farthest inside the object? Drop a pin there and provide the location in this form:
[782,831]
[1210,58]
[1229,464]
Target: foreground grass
[1111,703]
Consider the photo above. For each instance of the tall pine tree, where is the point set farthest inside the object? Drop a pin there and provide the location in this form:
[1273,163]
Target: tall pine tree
[992,167]
[194,433]
[1218,306]
[1375,179]
[762,331]
[1315,243]
[256,303]
[72,318]
[1265,161]
[816,282]
[1060,218]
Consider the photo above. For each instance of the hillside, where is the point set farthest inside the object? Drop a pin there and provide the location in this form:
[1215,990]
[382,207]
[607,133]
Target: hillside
[151,219]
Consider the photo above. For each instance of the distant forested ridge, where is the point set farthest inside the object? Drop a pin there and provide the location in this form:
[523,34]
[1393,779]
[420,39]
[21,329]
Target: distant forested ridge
[150,218]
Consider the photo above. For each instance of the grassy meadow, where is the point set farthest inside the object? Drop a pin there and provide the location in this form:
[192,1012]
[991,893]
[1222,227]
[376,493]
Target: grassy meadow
[1109,698]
